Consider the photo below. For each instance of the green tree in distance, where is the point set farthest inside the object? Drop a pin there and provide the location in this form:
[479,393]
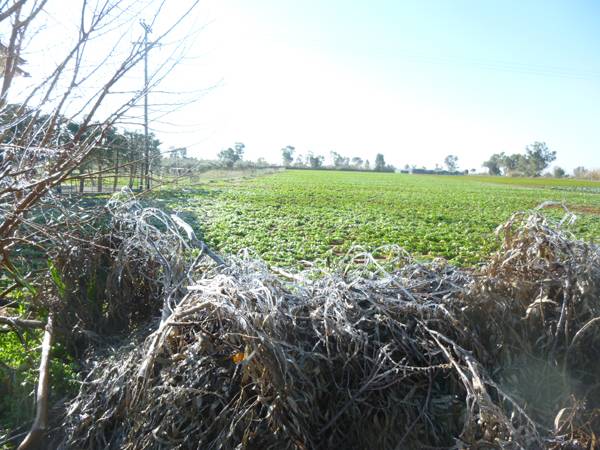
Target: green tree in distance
[451,162]
[379,163]
[537,157]
[315,162]
[287,155]
[230,156]
[558,172]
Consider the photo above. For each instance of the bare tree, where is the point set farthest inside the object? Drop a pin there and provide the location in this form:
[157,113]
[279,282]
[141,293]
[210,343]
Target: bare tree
[49,128]
[45,152]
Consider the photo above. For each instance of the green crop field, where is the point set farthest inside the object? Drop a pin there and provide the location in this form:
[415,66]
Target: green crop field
[316,216]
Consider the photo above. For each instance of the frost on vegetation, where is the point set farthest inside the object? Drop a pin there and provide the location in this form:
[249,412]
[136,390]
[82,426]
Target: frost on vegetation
[380,352]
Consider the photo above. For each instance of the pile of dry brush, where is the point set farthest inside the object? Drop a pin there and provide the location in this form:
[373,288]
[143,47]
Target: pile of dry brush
[380,353]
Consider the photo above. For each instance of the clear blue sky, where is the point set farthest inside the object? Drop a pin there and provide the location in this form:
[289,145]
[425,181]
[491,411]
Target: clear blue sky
[413,80]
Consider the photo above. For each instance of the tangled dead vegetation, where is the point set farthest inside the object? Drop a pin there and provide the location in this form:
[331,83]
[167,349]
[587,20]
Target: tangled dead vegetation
[374,354]
[136,263]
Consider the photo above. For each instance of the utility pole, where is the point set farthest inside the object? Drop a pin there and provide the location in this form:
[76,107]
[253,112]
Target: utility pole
[146,147]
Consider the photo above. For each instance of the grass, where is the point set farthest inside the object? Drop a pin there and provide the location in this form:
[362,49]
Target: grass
[317,216]
[19,364]
[543,182]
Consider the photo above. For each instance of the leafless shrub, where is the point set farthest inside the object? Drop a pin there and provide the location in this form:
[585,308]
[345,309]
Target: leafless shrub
[135,265]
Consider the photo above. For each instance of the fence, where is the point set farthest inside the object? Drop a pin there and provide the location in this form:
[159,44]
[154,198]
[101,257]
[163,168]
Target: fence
[108,184]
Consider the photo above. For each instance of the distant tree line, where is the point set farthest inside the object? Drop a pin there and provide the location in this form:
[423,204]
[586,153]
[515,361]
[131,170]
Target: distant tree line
[586,174]
[450,161]
[233,157]
[532,163]
[291,159]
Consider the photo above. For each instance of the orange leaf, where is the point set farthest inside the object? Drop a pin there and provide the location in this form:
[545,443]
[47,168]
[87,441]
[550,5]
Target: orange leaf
[238,357]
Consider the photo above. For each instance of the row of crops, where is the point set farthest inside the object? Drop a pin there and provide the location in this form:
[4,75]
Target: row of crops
[298,216]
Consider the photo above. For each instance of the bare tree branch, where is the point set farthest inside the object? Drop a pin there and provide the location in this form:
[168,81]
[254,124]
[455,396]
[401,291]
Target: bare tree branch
[22,323]
[11,9]
[40,422]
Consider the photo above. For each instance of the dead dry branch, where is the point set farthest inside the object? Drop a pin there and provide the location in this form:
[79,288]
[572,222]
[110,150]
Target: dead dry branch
[375,354]
[40,423]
